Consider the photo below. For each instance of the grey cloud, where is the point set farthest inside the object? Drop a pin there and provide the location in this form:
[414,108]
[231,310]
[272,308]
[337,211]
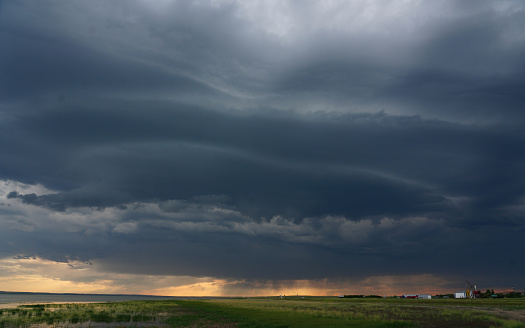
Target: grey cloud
[463,67]
[65,67]
[213,199]
[197,241]
[24,257]
[196,203]
[354,165]
[86,197]
[174,205]
[228,254]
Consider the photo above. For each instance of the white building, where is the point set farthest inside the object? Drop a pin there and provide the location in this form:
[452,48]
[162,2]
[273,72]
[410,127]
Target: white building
[460,295]
[417,296]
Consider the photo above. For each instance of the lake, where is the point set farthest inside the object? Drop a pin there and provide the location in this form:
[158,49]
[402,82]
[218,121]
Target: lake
[7,297]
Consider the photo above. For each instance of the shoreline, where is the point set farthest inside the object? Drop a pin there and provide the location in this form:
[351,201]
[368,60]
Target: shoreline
[12,305]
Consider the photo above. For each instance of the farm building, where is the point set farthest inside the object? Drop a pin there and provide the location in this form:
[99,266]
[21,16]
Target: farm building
[460,295]
[417,296]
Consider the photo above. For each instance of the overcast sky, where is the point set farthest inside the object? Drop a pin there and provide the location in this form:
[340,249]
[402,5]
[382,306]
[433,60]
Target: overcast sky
[255,147]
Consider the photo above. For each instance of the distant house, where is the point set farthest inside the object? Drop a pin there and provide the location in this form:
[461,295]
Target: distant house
[417,296]
[460,295]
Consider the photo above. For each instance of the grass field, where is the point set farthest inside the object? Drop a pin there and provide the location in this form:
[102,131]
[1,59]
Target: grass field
[273,312]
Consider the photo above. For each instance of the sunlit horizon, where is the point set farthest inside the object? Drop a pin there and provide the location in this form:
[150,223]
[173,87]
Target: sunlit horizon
[127,284]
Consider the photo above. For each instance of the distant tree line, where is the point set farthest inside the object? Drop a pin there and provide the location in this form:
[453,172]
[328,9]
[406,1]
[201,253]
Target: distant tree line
[489,293]
[362,296]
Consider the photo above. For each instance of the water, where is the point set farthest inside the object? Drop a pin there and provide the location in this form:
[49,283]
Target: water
[48,298]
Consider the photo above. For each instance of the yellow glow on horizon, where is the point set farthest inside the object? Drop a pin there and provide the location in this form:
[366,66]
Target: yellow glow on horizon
[38,275]
[207,288]
[46,285]
[222,287]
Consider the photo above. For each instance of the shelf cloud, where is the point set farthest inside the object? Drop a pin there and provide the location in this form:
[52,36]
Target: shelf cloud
[263,143]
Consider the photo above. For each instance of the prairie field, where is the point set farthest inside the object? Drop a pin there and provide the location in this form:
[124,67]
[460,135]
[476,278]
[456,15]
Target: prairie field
[272,312]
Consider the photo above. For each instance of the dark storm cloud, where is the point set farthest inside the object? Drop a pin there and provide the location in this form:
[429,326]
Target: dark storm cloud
[467,69]
[59,202]
[354,165]
[56,66]
[228,140]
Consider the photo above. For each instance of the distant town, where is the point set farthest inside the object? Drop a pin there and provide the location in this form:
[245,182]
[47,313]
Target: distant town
[470,291]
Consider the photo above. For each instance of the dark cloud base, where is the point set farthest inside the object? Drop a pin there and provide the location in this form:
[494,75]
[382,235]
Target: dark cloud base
[303,168]
[296,166]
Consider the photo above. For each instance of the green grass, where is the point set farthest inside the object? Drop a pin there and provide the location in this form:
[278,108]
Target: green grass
[73,314]
[250,314]
[274,312]
[319,312]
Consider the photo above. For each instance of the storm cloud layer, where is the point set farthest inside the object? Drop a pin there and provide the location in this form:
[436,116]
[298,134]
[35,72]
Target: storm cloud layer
[265,141]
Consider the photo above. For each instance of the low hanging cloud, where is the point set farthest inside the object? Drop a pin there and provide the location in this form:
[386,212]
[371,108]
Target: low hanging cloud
[264,141]
[200,238]
[77,198]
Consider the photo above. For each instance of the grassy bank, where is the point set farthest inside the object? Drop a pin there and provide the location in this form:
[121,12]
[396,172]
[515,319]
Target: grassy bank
[272,312]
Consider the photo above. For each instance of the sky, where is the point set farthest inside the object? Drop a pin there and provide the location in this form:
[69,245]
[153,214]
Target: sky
[242,148]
